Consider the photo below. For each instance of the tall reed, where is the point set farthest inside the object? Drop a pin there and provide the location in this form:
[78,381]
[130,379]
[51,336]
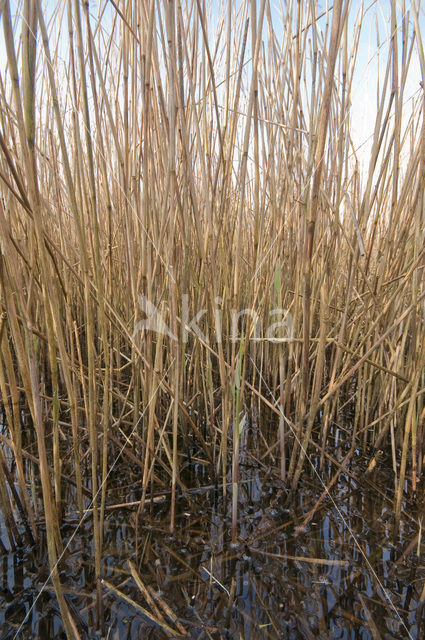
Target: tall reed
[174,177]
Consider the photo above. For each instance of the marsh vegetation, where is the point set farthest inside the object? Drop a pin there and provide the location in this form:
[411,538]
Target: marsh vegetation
[212,320]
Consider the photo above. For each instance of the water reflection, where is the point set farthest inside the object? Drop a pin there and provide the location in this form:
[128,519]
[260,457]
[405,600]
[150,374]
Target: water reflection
[274,585]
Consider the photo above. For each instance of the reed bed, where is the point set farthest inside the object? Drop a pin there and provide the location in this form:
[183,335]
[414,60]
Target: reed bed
[188,234]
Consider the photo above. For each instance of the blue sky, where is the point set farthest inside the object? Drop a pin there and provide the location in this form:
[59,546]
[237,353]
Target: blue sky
[371,58]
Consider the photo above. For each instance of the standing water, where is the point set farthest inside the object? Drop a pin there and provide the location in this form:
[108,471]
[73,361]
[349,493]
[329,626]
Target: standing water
[345,575]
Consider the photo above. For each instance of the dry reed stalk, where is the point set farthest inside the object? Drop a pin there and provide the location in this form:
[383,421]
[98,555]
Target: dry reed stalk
[313,207]
[7,510]
[196,165]
[13,420]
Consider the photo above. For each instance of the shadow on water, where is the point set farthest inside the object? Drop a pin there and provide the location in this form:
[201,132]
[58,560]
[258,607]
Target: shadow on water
[347,576]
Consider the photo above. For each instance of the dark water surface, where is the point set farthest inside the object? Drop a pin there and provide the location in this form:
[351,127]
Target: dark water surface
[345,577]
